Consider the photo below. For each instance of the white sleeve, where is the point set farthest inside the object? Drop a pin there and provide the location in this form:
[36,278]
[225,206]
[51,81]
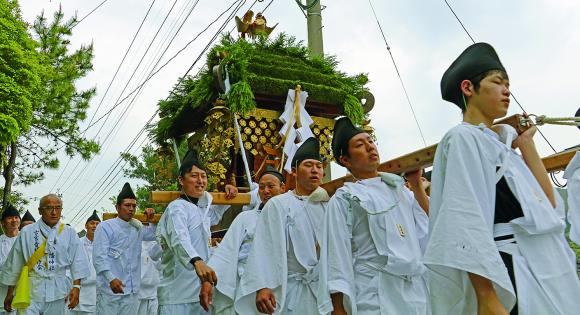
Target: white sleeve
[574,206]
[100,250]
[336,262]
[217,212]
[178,238]
[14,262]
[79,268]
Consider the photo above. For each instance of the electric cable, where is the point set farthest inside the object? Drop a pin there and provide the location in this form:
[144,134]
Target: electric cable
[111,169]
[512,94]
[398,74]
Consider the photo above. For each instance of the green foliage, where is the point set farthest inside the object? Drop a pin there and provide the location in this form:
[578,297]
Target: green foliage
[56,116]
[269,67]
[353,109]
[38,75]
[9,129]
[241,99]
[157,168]
[17,200]
[21,69]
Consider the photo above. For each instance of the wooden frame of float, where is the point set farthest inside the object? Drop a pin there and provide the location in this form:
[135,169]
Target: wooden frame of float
[419,159]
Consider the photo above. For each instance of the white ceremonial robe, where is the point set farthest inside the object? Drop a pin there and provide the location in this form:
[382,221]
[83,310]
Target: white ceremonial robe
[5,247]
[184,233]
[462,230]
[374,236]
[88,294]
[117,255]
[229,260]
[572,175]
[283,257]
[48,281]
[149,280]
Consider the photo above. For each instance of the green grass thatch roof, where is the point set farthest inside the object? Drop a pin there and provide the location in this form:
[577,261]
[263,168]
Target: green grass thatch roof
[264,67]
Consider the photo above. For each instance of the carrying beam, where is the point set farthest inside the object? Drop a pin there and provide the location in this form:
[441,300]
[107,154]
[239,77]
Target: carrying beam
[219,198]
[162,197]
[424,158]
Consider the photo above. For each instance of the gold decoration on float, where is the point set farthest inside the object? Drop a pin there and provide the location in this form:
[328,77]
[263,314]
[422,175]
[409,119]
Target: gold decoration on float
[216,142]
[262,126]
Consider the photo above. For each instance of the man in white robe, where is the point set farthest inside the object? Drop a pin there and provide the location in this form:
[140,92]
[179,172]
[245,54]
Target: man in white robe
[572,175]
[374,233]
[117,256]
[49,284]
[88,296]
[494,233]
[10,224]
[184,235]
[150,267]
[281,273]
[229,259]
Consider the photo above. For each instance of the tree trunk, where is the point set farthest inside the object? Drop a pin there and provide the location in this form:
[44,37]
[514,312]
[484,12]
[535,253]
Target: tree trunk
[9,174]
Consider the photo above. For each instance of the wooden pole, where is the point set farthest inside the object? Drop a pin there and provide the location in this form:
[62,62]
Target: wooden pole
[169,196]
[424,158]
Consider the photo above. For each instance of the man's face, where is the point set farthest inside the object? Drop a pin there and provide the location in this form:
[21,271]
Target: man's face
[50,210]
[363,154]
[493,97]
[270,186]
[11,223]
[91,226]
[25,223]
[309,174]
[194,182]
[126,209]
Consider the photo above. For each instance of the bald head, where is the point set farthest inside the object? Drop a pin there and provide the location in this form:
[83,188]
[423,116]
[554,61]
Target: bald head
[50,208]
[48,198]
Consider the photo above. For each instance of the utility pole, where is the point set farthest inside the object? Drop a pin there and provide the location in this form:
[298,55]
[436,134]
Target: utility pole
[314,22]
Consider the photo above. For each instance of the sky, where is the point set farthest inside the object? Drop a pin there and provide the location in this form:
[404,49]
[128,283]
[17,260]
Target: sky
[537,42]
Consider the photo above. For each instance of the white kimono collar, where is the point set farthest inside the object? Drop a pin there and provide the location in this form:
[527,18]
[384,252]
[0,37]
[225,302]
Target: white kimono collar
[204,200]
[483,128]
[50,233]
[133,222]
[318,195]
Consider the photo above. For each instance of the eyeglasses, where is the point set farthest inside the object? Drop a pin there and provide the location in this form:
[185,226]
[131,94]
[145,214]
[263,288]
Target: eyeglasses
[52,208]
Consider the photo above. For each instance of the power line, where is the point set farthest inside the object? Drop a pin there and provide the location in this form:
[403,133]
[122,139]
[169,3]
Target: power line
[120,121]
[398,74]
[88,205]
[110,84]
[123,116]
[112,168]
[160,68]
[124,88]
[458,20]
[88,14]
[512,94]
[122,61]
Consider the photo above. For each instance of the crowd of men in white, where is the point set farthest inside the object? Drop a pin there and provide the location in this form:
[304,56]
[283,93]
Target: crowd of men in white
[488,240]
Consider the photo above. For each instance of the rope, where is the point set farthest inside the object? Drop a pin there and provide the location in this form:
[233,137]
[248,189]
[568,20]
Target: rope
[398,74]
[566,121]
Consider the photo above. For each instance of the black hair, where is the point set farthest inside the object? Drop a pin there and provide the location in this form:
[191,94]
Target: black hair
[188,165]
[476,81]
